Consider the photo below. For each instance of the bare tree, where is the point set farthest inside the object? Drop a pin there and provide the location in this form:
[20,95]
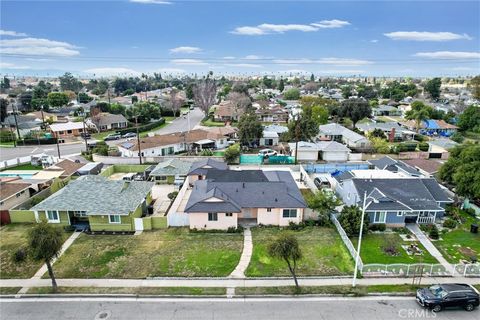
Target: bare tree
[204,93]
[176,101]
[240,101]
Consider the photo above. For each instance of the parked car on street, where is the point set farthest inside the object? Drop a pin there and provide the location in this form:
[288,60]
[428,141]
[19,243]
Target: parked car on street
[449,295]
[129,135]
[113,136]
[85,135]
[267,153]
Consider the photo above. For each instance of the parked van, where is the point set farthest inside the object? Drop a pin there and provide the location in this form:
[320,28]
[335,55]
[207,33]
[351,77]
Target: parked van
[129,176]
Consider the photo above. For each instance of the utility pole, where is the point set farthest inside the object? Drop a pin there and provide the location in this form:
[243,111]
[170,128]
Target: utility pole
[43,118]
[357,258]
[85,133]
[138,142]
[58,146]
[297,136]
[13,137]
[15,110]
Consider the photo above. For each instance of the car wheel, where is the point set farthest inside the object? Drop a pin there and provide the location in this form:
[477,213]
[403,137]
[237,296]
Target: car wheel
[437,308]
[469,307]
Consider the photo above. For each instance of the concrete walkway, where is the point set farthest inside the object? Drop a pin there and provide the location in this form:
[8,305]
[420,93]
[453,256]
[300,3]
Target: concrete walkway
[415,229]
[239,271]
[226,282]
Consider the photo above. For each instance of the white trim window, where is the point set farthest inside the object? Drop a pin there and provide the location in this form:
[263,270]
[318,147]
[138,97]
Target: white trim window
[399,213]
[289,213]
[114,218]
[228,214]
[212,216]
[380,217]
[53,216]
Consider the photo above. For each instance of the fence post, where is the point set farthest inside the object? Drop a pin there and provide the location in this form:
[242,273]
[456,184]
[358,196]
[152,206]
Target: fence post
[408,270]
[386,271]
[431,270]
[454,268]
[465,271]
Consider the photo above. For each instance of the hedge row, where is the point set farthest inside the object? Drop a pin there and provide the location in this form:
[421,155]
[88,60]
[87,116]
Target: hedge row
[143,128]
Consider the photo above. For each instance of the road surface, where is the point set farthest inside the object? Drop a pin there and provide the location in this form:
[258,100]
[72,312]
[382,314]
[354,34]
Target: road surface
[51,149]
[368,308]
[181,123]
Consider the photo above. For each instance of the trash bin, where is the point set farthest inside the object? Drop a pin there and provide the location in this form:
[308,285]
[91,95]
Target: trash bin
[474,228]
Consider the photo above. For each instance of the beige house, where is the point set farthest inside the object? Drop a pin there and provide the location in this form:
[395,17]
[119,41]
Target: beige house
[223,198]
[13,194]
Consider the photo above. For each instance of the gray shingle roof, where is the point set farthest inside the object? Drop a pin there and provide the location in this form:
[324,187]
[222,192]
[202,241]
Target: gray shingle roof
[97,196]
[334,129]
[412,193]
[201,167]
[172,167]
[393,165]
[280,191]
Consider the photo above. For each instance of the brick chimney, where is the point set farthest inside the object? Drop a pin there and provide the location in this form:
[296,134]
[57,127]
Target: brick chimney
[391,136]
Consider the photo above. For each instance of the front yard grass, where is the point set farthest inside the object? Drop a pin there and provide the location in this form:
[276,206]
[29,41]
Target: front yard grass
[322,249]
[210,123]
[340,290]
[372,250]
[459,243]
[25,166]
[9,290]
[12,238]
[162,253]
[191,291]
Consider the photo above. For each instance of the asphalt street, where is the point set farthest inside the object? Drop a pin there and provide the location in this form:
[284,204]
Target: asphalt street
[181,123]
[368,308]
[65,149]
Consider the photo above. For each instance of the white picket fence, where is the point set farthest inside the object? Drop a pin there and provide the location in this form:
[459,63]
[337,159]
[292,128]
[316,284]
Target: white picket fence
[421,269]
[346,241]
[21,160]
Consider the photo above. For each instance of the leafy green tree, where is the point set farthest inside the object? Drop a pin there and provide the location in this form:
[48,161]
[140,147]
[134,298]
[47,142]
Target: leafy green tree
[267,82]
[367,92]
[378,133]
[232,153]
[474,85]
[355,109]
[250,130]
[69,82]
[117,108]
[84,98]
[347,91]
[57,99]
[5,84]
[350,220]
[304,128]
[189,91]
[312,78]
[320,115]
[26,100]
[457,137]
[3,109]
[469,120]
[461,170]
[145,111]
[380,145]
[323,203]
[45,242]
[418,115]
[281,85]
[291,94]
[285,246]
[433,88]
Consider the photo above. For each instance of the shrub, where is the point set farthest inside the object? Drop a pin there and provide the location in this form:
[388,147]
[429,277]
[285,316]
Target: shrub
[20,255]
[423,146]
[419,137]
[232,153]
[377,227]
[433,233]
[450,223]
[457,137]
[470,212]
[69,228]
[206,153]
[296,226]
[172,195]
[390,245]
[350,220]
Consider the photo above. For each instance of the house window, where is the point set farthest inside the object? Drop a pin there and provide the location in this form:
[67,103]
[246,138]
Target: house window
[161,178]
[289,213]
[69,131]
[61,132]
[228,214]
[212,216]
[380,217]
[269,209]
[114,218]
[78,213]
[399,213]
[52,216]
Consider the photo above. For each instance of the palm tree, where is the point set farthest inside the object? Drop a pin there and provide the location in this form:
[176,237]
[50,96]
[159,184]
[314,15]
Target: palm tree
[419,116]
[45,242]
[285,247]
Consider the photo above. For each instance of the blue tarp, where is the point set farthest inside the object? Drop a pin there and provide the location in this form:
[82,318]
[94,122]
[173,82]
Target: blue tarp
[432,124]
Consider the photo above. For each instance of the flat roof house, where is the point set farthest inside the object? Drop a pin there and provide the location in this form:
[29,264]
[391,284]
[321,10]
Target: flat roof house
[228,198]
[95,201]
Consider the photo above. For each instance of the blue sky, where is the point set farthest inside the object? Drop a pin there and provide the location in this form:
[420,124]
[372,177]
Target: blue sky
[380,38]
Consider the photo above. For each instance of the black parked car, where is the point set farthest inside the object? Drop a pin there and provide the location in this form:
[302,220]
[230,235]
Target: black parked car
[449,295]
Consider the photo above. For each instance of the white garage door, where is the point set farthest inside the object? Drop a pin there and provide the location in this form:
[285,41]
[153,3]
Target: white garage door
[335,156]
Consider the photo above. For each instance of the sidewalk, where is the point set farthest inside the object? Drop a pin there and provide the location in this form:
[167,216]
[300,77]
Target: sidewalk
[224,282]
[429,246]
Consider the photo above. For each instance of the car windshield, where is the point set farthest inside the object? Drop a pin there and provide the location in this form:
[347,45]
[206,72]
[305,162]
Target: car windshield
[438,291]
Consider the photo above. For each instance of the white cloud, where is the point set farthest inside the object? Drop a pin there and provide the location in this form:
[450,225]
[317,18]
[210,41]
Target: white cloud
[189,62]
[6,65]
[252,57]
[228,58]
[151,1]
[38,47]
[344,62]
[12,33]
[293,61]
[330,24]
[426,36]
[108,71]
[448,55]
[268,28]
[185,50]
[244,65]
[172,70]
[374,41]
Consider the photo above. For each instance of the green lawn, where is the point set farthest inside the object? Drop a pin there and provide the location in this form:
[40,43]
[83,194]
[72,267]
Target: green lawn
[170,252]
[219,153]
[372,250]
[460,243]
[210,123]
[322,249]
[12,238]
[26,166]
[9,144]
[191,291]
[340,290]
[9,290]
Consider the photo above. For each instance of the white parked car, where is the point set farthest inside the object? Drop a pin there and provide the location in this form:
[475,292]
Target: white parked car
[267,153]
